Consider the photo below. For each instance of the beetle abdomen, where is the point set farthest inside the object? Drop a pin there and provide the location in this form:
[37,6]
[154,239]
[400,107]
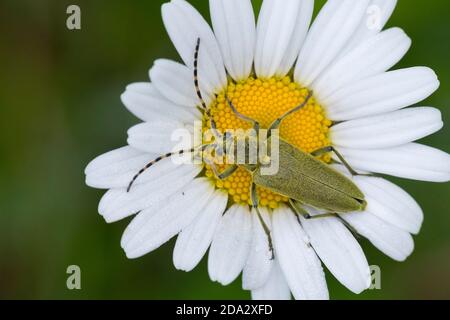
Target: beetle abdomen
[303,178]
[311,192]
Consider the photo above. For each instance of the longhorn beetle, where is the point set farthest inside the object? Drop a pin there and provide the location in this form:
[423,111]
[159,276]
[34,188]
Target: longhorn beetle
[302,178]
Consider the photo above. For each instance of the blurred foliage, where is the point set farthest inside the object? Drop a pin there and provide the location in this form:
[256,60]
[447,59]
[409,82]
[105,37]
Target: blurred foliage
[60,107]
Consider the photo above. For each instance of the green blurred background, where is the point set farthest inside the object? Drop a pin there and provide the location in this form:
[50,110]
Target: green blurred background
[60,107]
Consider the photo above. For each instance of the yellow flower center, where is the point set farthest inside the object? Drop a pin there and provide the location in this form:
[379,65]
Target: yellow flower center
[265,100]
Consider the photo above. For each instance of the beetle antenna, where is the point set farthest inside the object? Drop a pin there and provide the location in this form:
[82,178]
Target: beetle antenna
[160,158]
[199,92]
[240,115]
[196,82]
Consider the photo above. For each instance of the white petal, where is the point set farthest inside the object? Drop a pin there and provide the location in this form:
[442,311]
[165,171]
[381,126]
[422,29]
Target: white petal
[230,246]
[275,288]
[339,251]
[282,27]
[410,161]
[371,57]
[117,204]
[234,26]
[391,203]
[387,130]
[194,240]
[330,32]
[156,225]
[160,137]
[146,103]
[175,81]
[116,168]
[386,92]
[378,13]
[298,37]
[388,202]
[185,25]
[392,241]
[259,264]
[299,262]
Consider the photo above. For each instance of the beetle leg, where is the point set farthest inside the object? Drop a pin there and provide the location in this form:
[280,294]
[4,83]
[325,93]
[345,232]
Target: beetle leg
[276,124]
[350,228]
[320,216]
[255,205]
[341,158]
[224,174]
[219,175]
[300,211]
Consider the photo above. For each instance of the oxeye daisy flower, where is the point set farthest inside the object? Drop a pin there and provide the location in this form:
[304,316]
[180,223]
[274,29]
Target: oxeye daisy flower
[338,68]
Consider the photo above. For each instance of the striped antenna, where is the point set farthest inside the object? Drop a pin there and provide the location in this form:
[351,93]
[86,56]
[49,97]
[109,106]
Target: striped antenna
[199,93]
[197,86]
[153,162]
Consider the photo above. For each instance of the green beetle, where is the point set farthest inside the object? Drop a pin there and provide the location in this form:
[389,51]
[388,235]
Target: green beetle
[300,177]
